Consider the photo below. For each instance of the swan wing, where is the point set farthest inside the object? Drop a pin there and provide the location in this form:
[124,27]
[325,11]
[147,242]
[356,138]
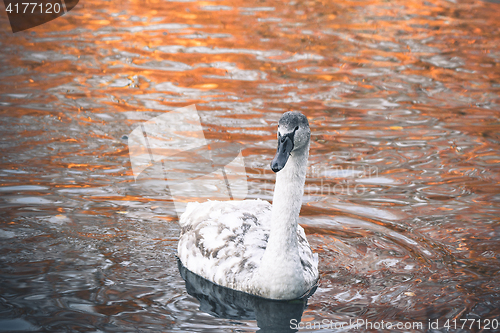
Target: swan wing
[308,259]
[224,241]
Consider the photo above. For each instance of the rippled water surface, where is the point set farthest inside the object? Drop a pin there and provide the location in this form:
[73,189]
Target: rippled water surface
[402,196]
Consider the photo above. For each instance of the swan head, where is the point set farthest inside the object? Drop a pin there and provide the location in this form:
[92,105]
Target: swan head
[293,135]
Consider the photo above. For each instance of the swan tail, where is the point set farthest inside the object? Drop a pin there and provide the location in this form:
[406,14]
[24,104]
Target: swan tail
[185,218]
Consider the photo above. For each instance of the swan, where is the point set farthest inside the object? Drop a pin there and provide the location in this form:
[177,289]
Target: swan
[250,245]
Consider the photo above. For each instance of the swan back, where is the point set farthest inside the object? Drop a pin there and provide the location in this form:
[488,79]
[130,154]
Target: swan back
[224,241]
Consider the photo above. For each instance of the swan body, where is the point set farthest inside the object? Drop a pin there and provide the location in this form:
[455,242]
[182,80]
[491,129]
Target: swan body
[251,245]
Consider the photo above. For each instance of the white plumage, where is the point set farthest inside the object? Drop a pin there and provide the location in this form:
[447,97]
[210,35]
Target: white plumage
[250,245]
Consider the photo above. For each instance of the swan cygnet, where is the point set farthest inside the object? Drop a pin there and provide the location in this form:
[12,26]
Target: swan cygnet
[251,245]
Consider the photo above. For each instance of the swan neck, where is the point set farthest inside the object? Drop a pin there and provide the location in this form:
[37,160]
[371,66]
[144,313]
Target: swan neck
[280,273]
[287,199]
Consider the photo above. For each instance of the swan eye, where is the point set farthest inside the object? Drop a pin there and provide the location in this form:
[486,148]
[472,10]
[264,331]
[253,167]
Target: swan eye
[296,128]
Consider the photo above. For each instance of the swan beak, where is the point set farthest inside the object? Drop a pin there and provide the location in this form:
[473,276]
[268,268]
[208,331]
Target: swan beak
[285,146]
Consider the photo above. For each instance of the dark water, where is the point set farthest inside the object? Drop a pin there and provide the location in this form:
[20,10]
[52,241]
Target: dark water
[402,197]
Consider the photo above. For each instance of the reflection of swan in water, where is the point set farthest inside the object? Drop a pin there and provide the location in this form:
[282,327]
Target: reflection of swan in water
[249,245]
[271,315]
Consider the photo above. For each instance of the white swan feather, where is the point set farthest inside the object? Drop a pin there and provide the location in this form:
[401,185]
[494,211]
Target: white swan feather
[224,241]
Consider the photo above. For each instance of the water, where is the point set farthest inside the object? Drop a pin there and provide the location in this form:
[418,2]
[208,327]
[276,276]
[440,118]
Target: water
[401,201]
